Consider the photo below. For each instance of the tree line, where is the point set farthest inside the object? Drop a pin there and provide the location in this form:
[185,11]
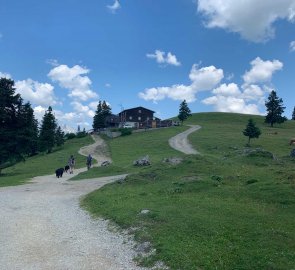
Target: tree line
[20,133]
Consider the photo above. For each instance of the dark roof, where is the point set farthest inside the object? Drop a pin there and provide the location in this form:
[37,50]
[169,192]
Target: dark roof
[140,107]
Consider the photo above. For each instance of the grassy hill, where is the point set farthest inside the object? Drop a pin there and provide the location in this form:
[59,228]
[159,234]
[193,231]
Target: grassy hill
[43,164]
[232,207]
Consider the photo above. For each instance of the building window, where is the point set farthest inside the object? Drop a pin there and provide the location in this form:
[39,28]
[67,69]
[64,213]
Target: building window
[130,117]
[148,118]
[139,118]
[139,111]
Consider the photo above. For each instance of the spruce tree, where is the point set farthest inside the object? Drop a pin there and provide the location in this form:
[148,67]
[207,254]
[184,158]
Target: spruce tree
[293,114]
[275,109]
[47,131]
[102,111]
[10,104]
[184,111]
[59,136]
[27,129]
[251,130]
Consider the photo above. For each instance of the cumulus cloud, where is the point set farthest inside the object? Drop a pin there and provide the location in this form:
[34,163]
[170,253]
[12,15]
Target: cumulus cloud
[73,79]
[261,71]
[5,75]
[114,7]
[292,46]
[237,16]
[36,92]
[231,104]
[83,109]
[251,95]
[163,58]
[202,79]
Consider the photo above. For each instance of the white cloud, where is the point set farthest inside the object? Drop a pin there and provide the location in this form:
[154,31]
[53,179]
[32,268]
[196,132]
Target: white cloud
[292,46]
[251,96]
[52,62]
[39,112]
[162,58]
[73,79]
[114,7]
[231,104]
[5,75]
[253,92]
[202,79]
[108,85]
[227,90]
[205,78]
[93,105]
[261,71]
[237,16]
[79,108]
[36,92]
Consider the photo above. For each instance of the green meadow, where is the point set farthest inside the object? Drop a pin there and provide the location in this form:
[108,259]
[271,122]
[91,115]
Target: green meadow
[232,207]
[43,164]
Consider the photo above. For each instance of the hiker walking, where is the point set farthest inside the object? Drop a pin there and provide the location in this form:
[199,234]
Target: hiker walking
[89,161]
[71,163]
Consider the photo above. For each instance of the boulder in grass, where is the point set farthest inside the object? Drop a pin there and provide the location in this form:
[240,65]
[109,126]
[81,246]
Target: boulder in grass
[144,161]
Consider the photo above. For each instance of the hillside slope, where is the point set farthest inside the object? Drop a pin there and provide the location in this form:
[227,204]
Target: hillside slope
[231,208]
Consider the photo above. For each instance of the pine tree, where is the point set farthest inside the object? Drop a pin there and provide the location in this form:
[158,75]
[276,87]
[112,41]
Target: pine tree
[293,114]
[251,130]
[275,109]
[59,136]
[10,104]
[184,111]
[27,129]
[103,110]
[47,131]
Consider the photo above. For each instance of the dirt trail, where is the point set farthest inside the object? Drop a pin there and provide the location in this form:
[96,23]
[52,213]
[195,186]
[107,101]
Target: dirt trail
[43,227]
[181,143]
[98,150]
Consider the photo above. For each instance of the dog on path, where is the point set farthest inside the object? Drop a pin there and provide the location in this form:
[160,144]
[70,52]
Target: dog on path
[67,167]
[59,172]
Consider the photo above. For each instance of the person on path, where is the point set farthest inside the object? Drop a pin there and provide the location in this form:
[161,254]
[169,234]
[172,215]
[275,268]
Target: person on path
[72,163]
[89,161]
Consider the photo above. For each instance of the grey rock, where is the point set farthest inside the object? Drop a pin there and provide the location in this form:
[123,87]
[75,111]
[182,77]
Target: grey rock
[292,154]
[144,161]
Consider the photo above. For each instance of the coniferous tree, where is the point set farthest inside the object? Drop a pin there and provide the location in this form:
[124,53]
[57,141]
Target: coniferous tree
[59,136]
[251,131]
[47,131]
[28,130]
[293,114]
[10,104]
[184,111]
[275,109]
[103,110]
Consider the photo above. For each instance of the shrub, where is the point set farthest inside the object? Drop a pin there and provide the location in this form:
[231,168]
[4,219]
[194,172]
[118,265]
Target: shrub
[70,136]
[125,131]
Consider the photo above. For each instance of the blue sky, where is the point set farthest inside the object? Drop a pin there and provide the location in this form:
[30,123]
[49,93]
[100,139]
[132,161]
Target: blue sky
[218,55]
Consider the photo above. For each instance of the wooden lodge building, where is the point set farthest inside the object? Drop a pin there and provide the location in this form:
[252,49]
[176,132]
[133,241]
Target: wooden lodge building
[138,117]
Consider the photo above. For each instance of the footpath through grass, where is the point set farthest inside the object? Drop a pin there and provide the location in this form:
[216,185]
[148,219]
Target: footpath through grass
[43,164]
[226,209]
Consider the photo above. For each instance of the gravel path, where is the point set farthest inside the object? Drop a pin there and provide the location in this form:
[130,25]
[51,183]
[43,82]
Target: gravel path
[43,227]
[98,150]
[181,143]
